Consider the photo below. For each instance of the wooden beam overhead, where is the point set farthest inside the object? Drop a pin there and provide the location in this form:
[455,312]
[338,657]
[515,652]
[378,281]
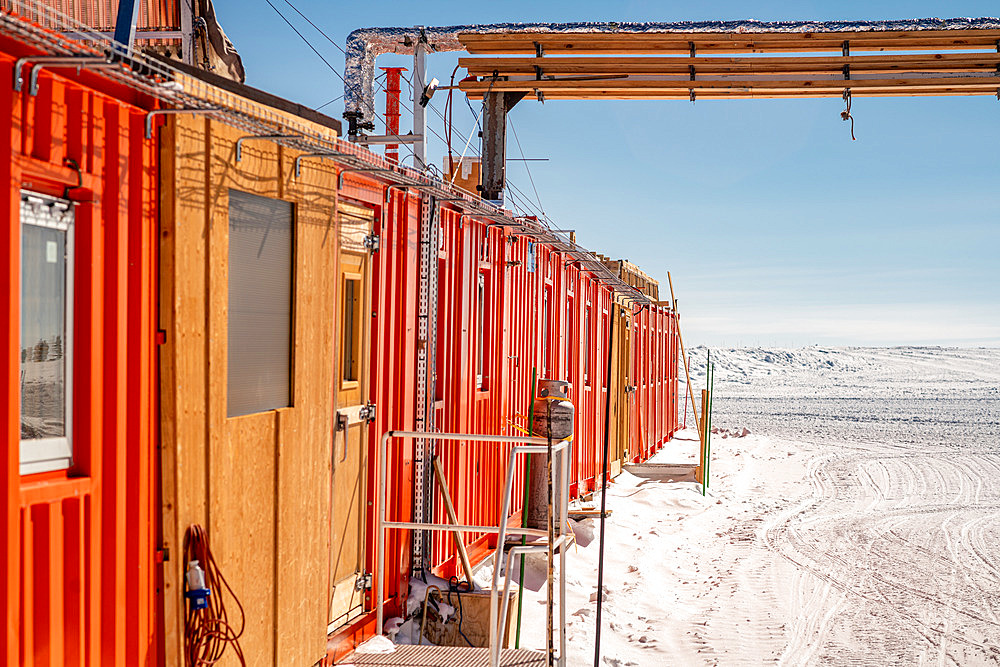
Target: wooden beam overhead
[716,42]
[680,88]
[706,65]
[641,65]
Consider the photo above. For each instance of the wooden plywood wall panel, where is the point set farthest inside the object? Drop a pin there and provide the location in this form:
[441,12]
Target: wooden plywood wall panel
[258,483]
[182,358]
[303,489]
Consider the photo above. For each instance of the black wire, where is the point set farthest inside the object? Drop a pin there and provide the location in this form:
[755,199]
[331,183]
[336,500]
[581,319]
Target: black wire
[308,43]
[318,29]
[458,587]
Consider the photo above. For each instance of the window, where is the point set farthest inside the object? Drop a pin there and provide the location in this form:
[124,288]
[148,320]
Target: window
[586,345]
[260,304]
[46,333]
[351,338]
[571,335]
[482,334]
[546,357]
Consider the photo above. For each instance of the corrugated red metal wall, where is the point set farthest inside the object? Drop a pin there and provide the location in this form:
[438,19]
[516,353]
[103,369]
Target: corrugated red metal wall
[78,583]
[541,311]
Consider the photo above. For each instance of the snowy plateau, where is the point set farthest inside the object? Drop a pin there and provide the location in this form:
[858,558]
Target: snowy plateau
[852,518]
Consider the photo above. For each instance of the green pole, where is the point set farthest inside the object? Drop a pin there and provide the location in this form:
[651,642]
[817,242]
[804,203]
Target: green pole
[705,429]
[524,510]
[711,400]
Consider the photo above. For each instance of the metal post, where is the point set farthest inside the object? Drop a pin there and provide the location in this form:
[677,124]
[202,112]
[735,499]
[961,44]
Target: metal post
[563,524]
[604,488]
[392,91]
[187,33]
[551,528]
[128,13]
[426,358]
[419,76]
[496,106]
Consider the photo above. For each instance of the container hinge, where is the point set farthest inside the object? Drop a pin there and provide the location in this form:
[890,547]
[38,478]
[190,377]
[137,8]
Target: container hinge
[364,582]
[371,242]
[367,413]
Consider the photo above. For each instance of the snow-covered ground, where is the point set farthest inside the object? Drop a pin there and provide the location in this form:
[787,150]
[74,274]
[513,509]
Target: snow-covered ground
[857,523]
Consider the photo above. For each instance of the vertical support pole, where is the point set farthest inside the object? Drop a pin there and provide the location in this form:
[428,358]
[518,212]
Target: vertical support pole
[604,485]
[128,13]
[392,91]
[187,33]
[423,504]
[419,76]
[494,146]
[703,427]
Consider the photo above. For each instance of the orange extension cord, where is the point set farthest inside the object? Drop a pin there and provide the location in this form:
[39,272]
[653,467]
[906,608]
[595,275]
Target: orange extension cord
[207,632]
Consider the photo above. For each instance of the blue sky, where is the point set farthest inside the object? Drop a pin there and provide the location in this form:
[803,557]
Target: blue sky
[777,228]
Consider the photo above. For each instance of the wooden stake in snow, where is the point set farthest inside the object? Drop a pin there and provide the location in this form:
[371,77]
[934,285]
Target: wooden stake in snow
[459,544]
[687,373]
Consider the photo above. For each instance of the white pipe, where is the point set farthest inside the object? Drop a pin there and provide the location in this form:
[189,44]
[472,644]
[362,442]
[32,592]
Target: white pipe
[419,111]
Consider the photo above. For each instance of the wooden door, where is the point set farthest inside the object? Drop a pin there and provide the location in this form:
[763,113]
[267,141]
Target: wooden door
[352,412]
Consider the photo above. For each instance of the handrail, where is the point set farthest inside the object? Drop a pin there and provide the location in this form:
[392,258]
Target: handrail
[522,445]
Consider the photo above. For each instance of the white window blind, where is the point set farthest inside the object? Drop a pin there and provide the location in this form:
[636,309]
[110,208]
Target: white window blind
[260,304]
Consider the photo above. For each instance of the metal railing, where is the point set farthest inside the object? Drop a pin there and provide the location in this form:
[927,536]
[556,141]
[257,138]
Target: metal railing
[498,608]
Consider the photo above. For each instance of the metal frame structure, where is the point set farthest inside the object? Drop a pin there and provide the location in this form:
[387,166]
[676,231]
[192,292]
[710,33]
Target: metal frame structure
[521,445]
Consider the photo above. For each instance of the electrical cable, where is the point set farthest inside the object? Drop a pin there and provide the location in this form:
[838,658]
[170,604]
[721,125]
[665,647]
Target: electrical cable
[846,113]
[308,43]
[458,587]
[526,168]
[316,27]
[208,632]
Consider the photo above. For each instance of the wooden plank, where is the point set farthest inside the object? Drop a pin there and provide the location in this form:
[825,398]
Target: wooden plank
[750,94]
[712,42]
[304,432]
[623,65]
[242,451]
[914,84]
[183,364]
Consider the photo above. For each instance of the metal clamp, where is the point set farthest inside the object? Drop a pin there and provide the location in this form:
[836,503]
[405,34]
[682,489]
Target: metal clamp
[79,62]
[239,142]
[160,112]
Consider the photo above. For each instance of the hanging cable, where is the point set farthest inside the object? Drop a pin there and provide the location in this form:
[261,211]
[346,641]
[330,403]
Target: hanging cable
[449,114]
[476,124]
[526,168]
[307,42]
[846,113]
[207,631]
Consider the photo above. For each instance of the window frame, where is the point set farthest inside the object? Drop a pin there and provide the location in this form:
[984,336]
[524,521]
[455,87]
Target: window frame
[58,450]
[357,316]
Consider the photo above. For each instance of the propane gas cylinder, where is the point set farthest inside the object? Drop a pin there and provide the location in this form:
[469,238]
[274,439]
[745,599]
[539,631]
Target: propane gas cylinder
[551,412]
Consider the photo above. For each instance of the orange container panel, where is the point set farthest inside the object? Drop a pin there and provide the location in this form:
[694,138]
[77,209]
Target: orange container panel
[79,577]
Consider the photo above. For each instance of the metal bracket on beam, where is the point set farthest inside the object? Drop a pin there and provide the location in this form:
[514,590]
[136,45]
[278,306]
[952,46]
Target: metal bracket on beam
[239,142]
[299,158]
[79,62]
[846,48]
[343,172]
[539,50]
[161,112]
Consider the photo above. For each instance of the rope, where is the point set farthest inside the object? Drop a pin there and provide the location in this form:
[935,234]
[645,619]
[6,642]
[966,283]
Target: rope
[207,632]
[846,113]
